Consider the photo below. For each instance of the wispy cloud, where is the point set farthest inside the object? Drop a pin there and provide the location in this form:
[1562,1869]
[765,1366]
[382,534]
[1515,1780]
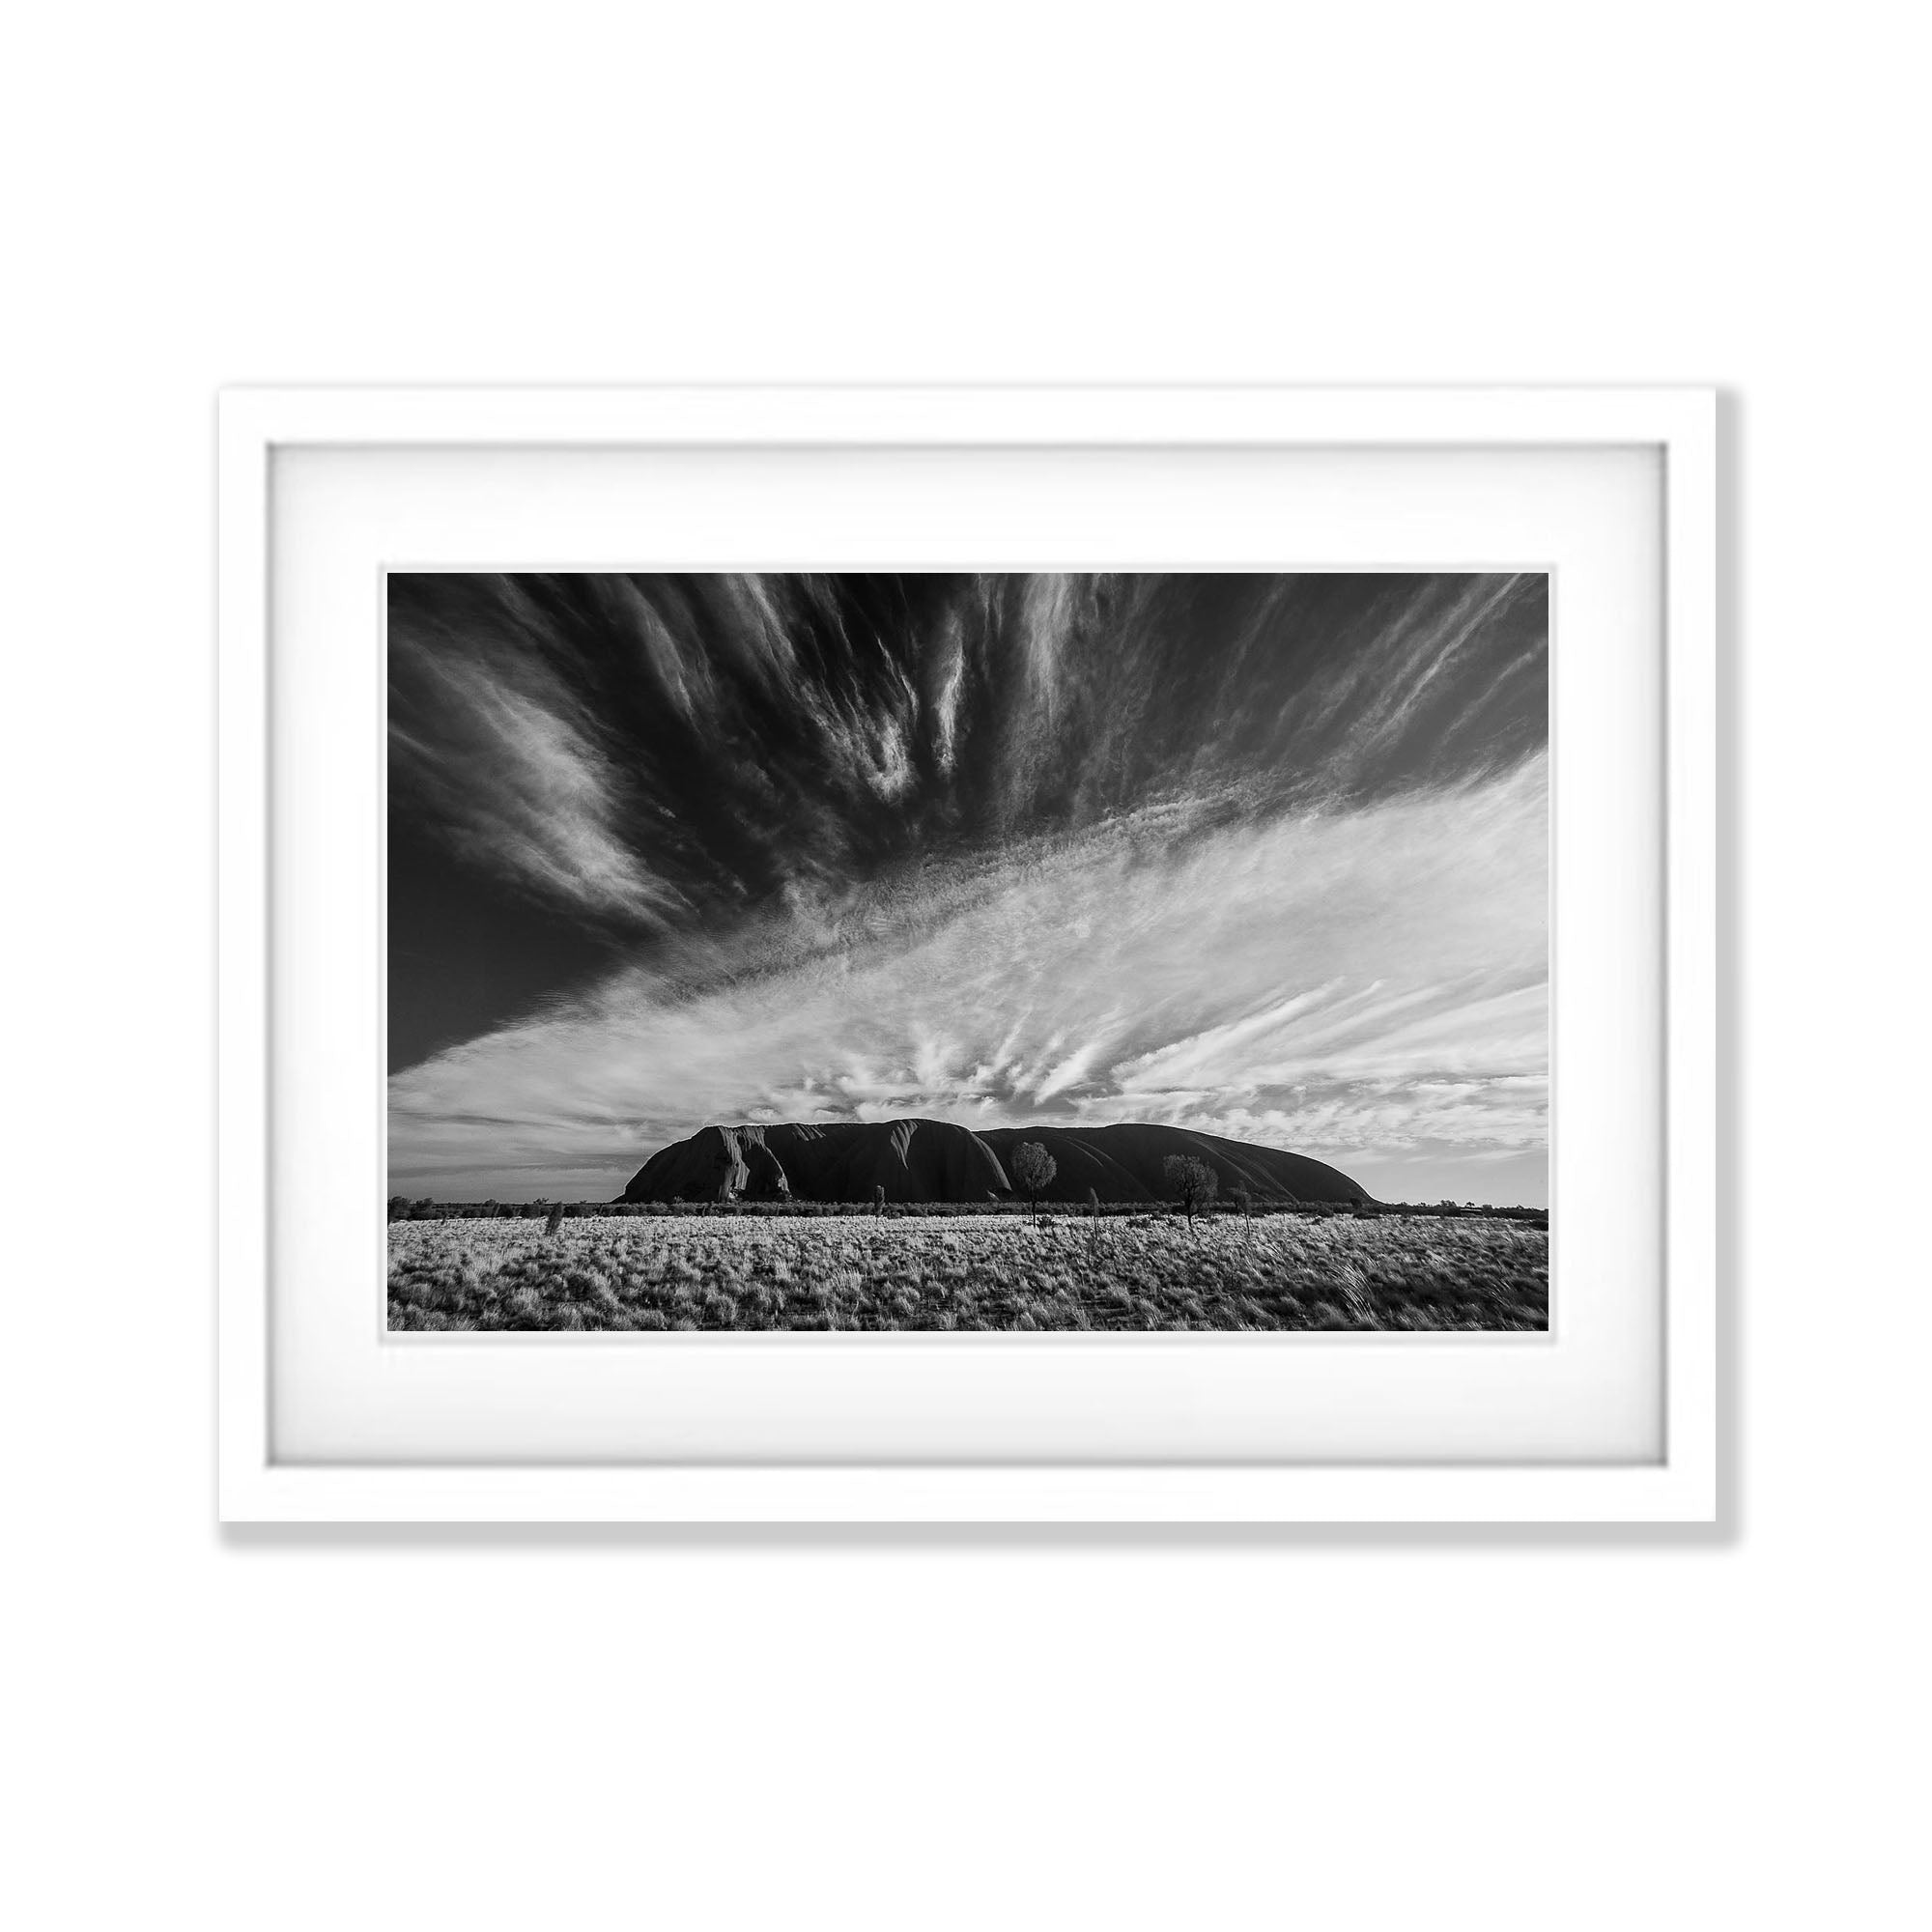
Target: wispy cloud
[547,817]
[640,753]
[1355,980]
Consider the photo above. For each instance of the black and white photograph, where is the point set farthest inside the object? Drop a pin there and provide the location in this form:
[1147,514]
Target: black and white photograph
[932,936]
[1156,951]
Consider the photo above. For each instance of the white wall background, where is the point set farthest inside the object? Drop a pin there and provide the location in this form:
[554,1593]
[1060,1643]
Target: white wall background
[581,1730]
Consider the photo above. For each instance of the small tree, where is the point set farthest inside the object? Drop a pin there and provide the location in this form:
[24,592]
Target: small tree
[554,1219]
[1034,1170]
[879,1197]
[1192,1183]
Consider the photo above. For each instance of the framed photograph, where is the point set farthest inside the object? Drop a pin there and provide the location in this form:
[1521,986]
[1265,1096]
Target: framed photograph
[968,954]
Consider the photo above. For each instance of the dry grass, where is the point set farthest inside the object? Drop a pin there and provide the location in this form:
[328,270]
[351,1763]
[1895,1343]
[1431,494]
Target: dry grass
[1279,1271]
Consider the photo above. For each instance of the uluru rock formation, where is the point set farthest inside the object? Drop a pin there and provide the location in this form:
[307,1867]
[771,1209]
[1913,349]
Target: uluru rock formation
[936,1160]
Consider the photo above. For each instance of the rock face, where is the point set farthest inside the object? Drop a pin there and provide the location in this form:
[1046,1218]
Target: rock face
[935,1160]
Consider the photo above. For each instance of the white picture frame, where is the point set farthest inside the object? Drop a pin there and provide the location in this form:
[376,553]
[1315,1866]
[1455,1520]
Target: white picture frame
[1679,1483]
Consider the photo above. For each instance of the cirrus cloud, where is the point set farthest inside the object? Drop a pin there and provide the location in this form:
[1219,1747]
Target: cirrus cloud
[1353,981]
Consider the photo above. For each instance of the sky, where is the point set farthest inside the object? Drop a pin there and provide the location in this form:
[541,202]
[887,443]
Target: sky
[1261,855]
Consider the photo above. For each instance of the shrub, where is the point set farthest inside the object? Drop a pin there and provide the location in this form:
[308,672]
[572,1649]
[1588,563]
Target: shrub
[1192,1183]
[1034,1169]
